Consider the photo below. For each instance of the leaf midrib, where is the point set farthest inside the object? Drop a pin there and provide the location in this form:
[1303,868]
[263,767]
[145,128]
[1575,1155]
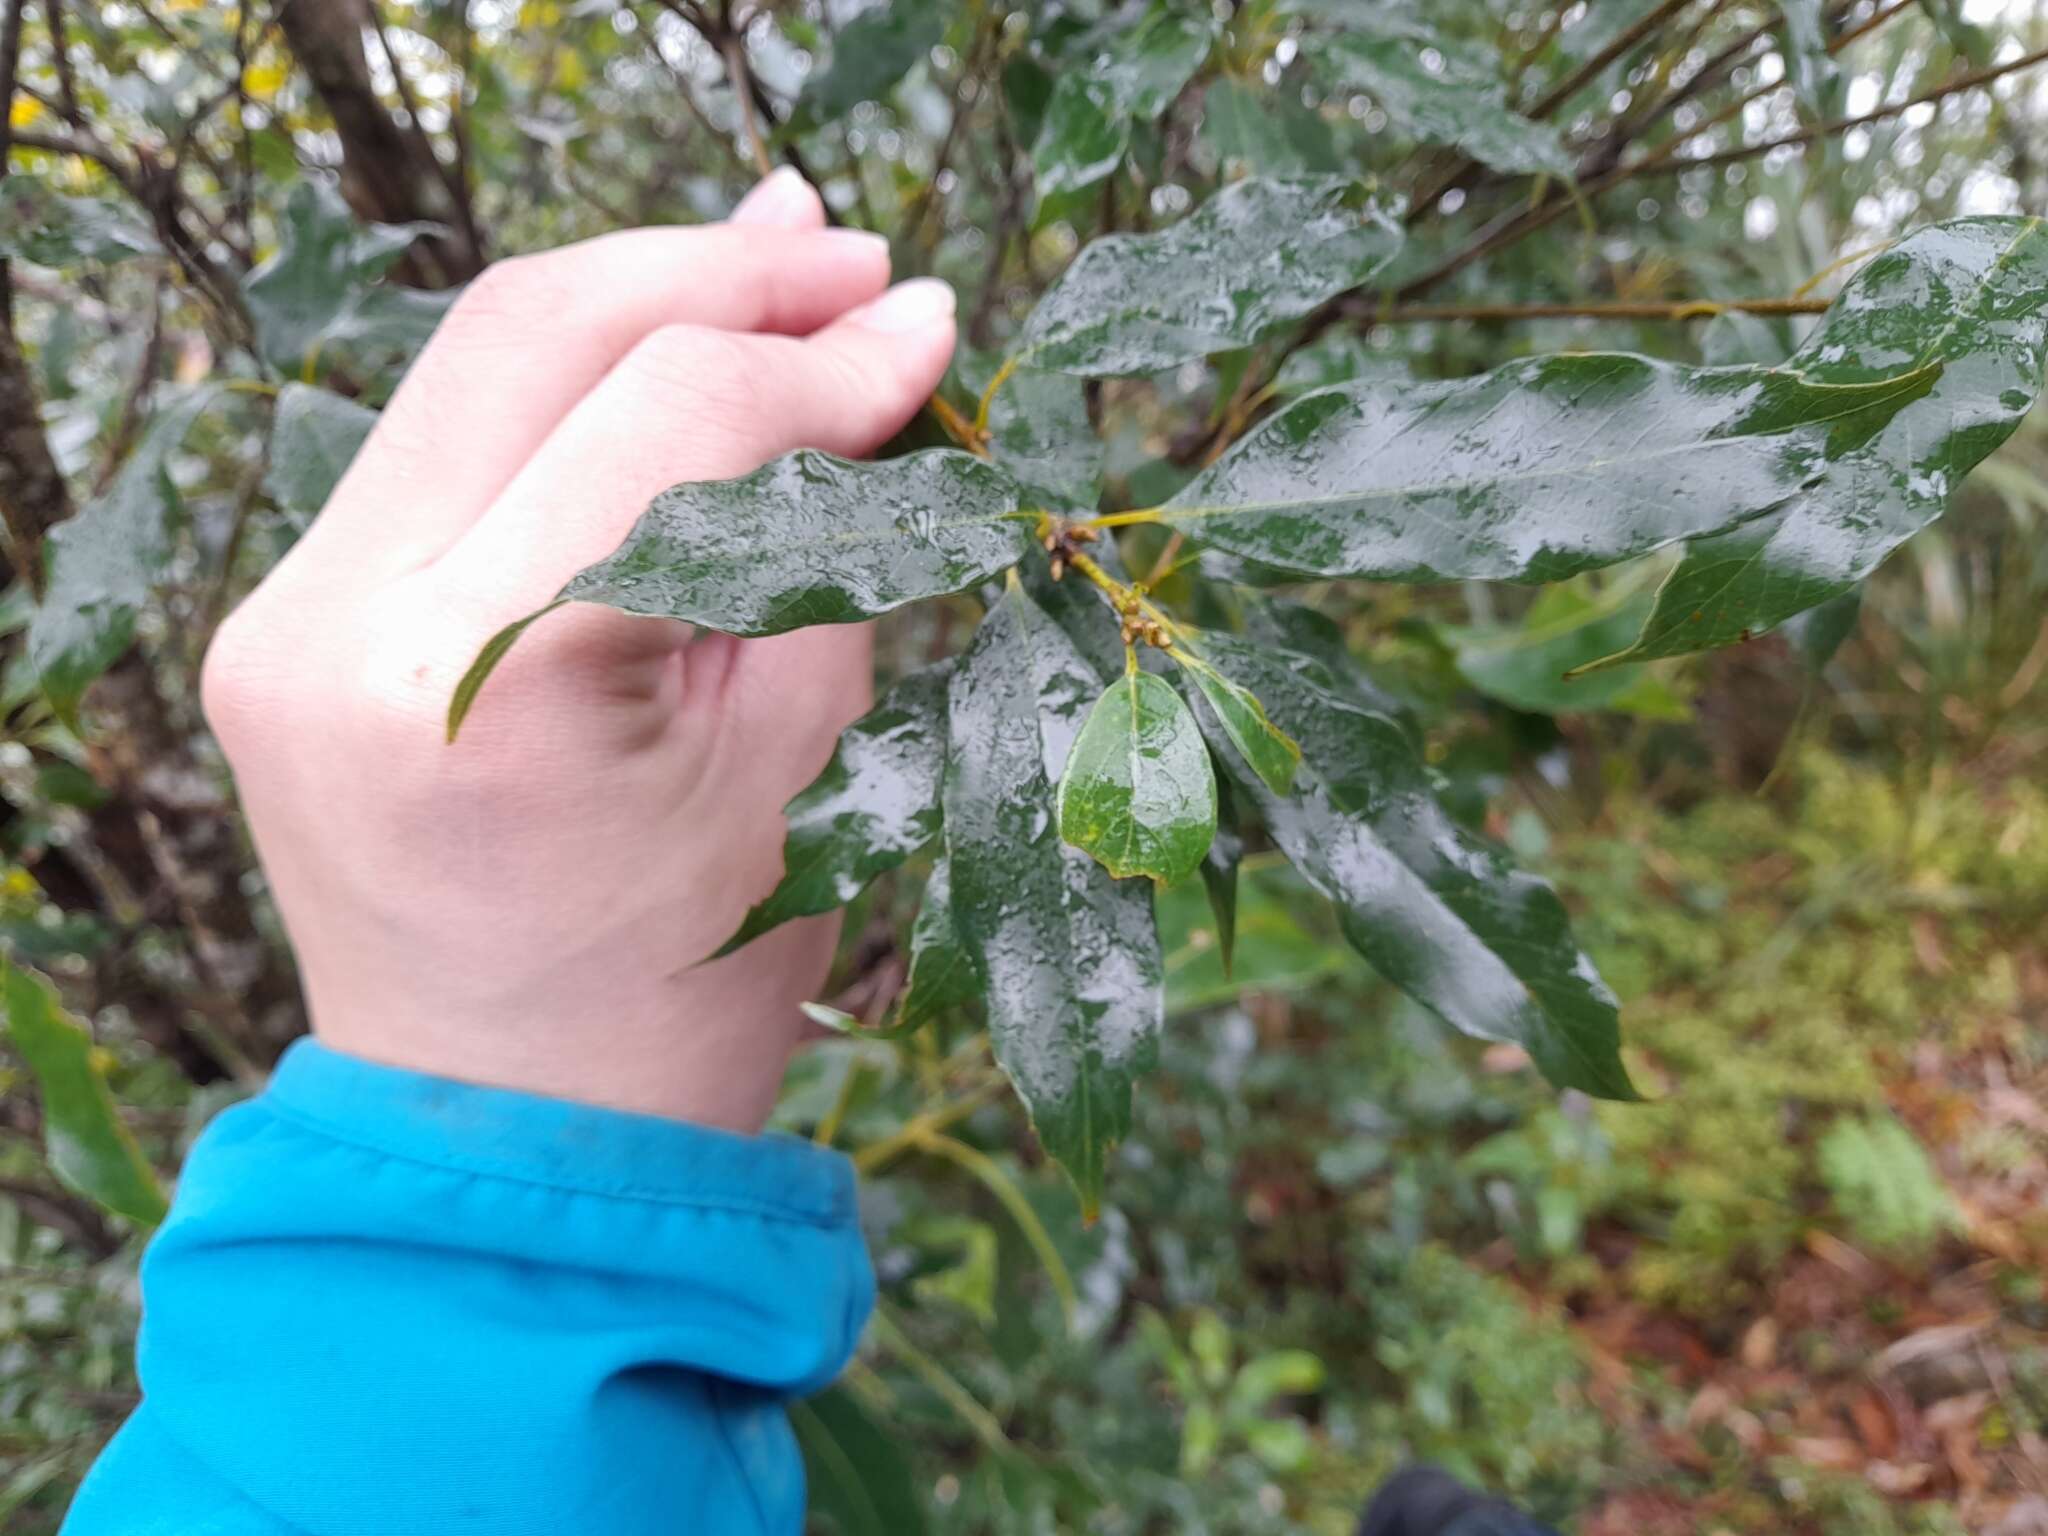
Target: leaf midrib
[1877,392]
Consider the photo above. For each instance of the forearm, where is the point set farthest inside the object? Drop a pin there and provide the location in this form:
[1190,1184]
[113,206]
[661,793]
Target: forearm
[396,1303]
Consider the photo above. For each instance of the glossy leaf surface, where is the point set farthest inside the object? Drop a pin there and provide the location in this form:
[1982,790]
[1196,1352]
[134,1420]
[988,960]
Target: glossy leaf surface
[104,561]
[1138,793]
[1441,915]
[1038,430]
[941,975]
[1218,279]
[869,55]
[812,539]
[1081,142]
[89,1148]
[806,539]
[313,438]
[1121,73]
[1967,300]
[875,804]
[1461,102]
[1533,472]
[1271,752]
[1067,956]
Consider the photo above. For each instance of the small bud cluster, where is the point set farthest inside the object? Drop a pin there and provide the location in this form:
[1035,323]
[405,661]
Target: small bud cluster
[1061,542]
[1138,627]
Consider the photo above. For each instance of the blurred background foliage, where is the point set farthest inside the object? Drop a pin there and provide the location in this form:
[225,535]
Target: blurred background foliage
[1802,1291]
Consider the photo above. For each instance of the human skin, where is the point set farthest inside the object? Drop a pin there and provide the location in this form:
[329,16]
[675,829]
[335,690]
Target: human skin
[528,907]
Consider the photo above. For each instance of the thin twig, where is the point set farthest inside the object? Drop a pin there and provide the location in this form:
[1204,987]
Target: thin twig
[1882,15]
[456,188]
[60,56]
[129,422]
[1665,161]
[1623,41]
[734,48]
[1846,124]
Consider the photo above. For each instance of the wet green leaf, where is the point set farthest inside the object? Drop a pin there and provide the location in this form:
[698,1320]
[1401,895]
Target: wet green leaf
[807,539]
[1966,299]
[1525,665]
[874,805]
[1271,752]
[1532,472]
[1292,626]
[1150,62]
[44,226]
[857,1475]
[1262,132]
[812,539]
[313,438]
[1461,102]
[318,286]
[941,976]
[1216,280]
[869,55]
[1138,792]
[1068,957]
[1081,141]
[1126,72]
[471,682]
[89,1148]
[105,560]
[1039,431]
[1441,915]
[1079,610]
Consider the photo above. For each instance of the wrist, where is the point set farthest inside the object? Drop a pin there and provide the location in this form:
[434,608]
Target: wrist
[708,1048]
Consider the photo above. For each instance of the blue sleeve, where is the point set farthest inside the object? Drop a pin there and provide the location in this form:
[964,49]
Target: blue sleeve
[395,1304]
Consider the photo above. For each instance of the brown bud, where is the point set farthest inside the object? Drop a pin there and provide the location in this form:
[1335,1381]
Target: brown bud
[1059,566]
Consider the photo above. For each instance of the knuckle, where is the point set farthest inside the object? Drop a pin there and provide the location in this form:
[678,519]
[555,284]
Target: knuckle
[521,294]
[232,682]
[720,375]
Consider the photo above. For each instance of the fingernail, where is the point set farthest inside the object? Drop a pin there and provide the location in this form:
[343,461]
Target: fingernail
[781,198]
[864,242]
[908,306]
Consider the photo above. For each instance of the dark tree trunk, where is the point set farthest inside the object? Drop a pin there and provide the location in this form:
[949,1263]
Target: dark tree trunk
[389,171]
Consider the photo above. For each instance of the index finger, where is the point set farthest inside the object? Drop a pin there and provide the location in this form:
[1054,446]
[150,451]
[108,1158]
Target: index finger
[531,337]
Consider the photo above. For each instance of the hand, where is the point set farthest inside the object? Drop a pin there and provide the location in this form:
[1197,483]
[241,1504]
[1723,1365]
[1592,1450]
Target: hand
[527,907]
